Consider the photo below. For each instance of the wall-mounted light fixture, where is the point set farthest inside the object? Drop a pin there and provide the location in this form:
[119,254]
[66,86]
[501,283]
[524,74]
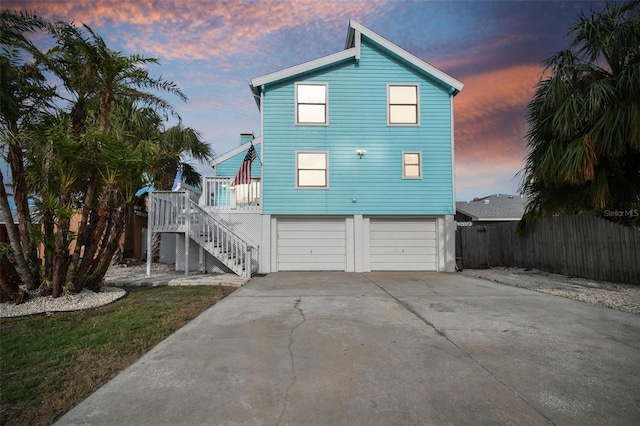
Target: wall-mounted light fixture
[361,152]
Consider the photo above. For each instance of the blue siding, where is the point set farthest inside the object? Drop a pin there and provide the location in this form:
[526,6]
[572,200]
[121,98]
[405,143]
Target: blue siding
[230,167]
[357,109]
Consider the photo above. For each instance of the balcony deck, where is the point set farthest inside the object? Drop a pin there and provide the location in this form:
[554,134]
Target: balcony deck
[219,195]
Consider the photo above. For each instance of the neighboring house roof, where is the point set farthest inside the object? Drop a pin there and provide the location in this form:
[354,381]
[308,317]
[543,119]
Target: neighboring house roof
[235,151]
[352,51]
[497,207]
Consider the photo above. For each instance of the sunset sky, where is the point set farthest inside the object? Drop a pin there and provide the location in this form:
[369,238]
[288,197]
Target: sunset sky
[213,48]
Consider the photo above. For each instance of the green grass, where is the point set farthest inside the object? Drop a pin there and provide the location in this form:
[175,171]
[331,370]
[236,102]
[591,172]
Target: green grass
[49,363]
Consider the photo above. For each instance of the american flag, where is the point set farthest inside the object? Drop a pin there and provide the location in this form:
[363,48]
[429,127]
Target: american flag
[244,174]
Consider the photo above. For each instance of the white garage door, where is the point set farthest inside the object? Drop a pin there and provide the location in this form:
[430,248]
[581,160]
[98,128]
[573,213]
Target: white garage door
[403,245]
[311,245]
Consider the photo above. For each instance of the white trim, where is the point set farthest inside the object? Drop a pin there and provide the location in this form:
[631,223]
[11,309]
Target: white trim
[304,67]
[326,102]
[419,163]
[262,95]
[274,244]
[235,151]
[453,154]
[265,245]
[349,235]
[417,123]
[358,243]
[326,169]
[450,249]
[412,59]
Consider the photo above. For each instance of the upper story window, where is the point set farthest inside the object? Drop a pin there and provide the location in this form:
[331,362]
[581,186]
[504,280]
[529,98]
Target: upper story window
[311,103]
[411,165]
[403,104]
[312,170]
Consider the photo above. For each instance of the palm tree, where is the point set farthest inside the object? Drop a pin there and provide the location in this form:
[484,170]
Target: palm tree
[177,145]
[24,96]
[76,160]
[584,126]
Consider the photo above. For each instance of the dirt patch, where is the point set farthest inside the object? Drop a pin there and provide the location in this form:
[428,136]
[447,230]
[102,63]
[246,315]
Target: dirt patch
[623,297]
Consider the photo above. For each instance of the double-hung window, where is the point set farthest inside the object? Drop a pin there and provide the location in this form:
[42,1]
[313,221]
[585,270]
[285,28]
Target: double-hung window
[312,169]
[403,105]
[412,165]
[311,103]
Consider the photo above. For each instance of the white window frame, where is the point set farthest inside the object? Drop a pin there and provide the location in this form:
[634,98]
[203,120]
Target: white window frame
[404,175]
[326,170]
[326,103]
[417,87]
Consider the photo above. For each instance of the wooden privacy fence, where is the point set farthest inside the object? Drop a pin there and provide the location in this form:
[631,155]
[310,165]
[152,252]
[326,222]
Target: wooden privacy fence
[582,246]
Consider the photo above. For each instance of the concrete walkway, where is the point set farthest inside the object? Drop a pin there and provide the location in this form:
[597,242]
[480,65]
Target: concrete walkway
[383,349]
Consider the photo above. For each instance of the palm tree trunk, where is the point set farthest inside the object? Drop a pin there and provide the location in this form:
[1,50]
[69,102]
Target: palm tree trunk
[109,247]
[156,240]
[29,248]
[81,240]
[22,265]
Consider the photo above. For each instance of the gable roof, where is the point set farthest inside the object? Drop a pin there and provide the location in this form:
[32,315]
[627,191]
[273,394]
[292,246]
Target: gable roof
[235,151]
[493,207]
[352,52]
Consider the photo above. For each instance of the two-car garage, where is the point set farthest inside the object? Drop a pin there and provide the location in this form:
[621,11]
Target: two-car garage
[348,243]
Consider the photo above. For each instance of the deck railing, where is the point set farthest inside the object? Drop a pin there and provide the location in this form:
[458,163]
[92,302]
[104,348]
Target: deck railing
[219,194]
[175,211]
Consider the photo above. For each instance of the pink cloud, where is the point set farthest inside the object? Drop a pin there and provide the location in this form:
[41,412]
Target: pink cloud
[199,29]
[490,125]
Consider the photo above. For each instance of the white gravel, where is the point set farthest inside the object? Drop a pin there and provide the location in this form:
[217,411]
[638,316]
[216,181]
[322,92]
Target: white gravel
[86,299]
[623,297]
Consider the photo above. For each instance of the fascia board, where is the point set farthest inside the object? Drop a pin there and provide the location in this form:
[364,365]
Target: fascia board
[467,213]
[235,151]
[302,68]
[497,219]
[412,59]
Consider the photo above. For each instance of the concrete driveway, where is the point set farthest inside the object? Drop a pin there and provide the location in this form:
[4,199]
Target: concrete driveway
[383,349]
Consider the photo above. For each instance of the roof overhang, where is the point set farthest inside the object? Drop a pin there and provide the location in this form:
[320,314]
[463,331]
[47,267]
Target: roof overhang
[335,58]
[355,28]
[352,52]
[235,151]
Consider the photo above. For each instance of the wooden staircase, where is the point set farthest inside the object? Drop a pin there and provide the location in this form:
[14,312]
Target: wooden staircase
[179,212]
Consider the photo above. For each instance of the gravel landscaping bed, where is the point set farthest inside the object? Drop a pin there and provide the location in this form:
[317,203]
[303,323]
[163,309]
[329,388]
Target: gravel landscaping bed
[86,299]
[623,297]
[117,276]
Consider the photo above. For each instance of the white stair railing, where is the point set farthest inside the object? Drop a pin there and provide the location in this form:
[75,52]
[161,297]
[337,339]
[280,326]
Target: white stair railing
[175,211]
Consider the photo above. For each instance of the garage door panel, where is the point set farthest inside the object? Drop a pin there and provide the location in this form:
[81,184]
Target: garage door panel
[397,243]
[331,242]
[306,234]
[395,266]
[401,235]
[401,225]
[340,251]
[399,251]
[286,266]
[311,244]
[403,244]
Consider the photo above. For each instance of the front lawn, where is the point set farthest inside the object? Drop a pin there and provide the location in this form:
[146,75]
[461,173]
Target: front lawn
[49,363]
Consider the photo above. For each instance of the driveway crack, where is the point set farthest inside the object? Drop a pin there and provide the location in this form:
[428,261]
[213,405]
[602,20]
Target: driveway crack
[444,335]
[303,319]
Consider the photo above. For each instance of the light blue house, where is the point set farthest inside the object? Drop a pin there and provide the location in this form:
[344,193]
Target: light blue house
[355,164]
